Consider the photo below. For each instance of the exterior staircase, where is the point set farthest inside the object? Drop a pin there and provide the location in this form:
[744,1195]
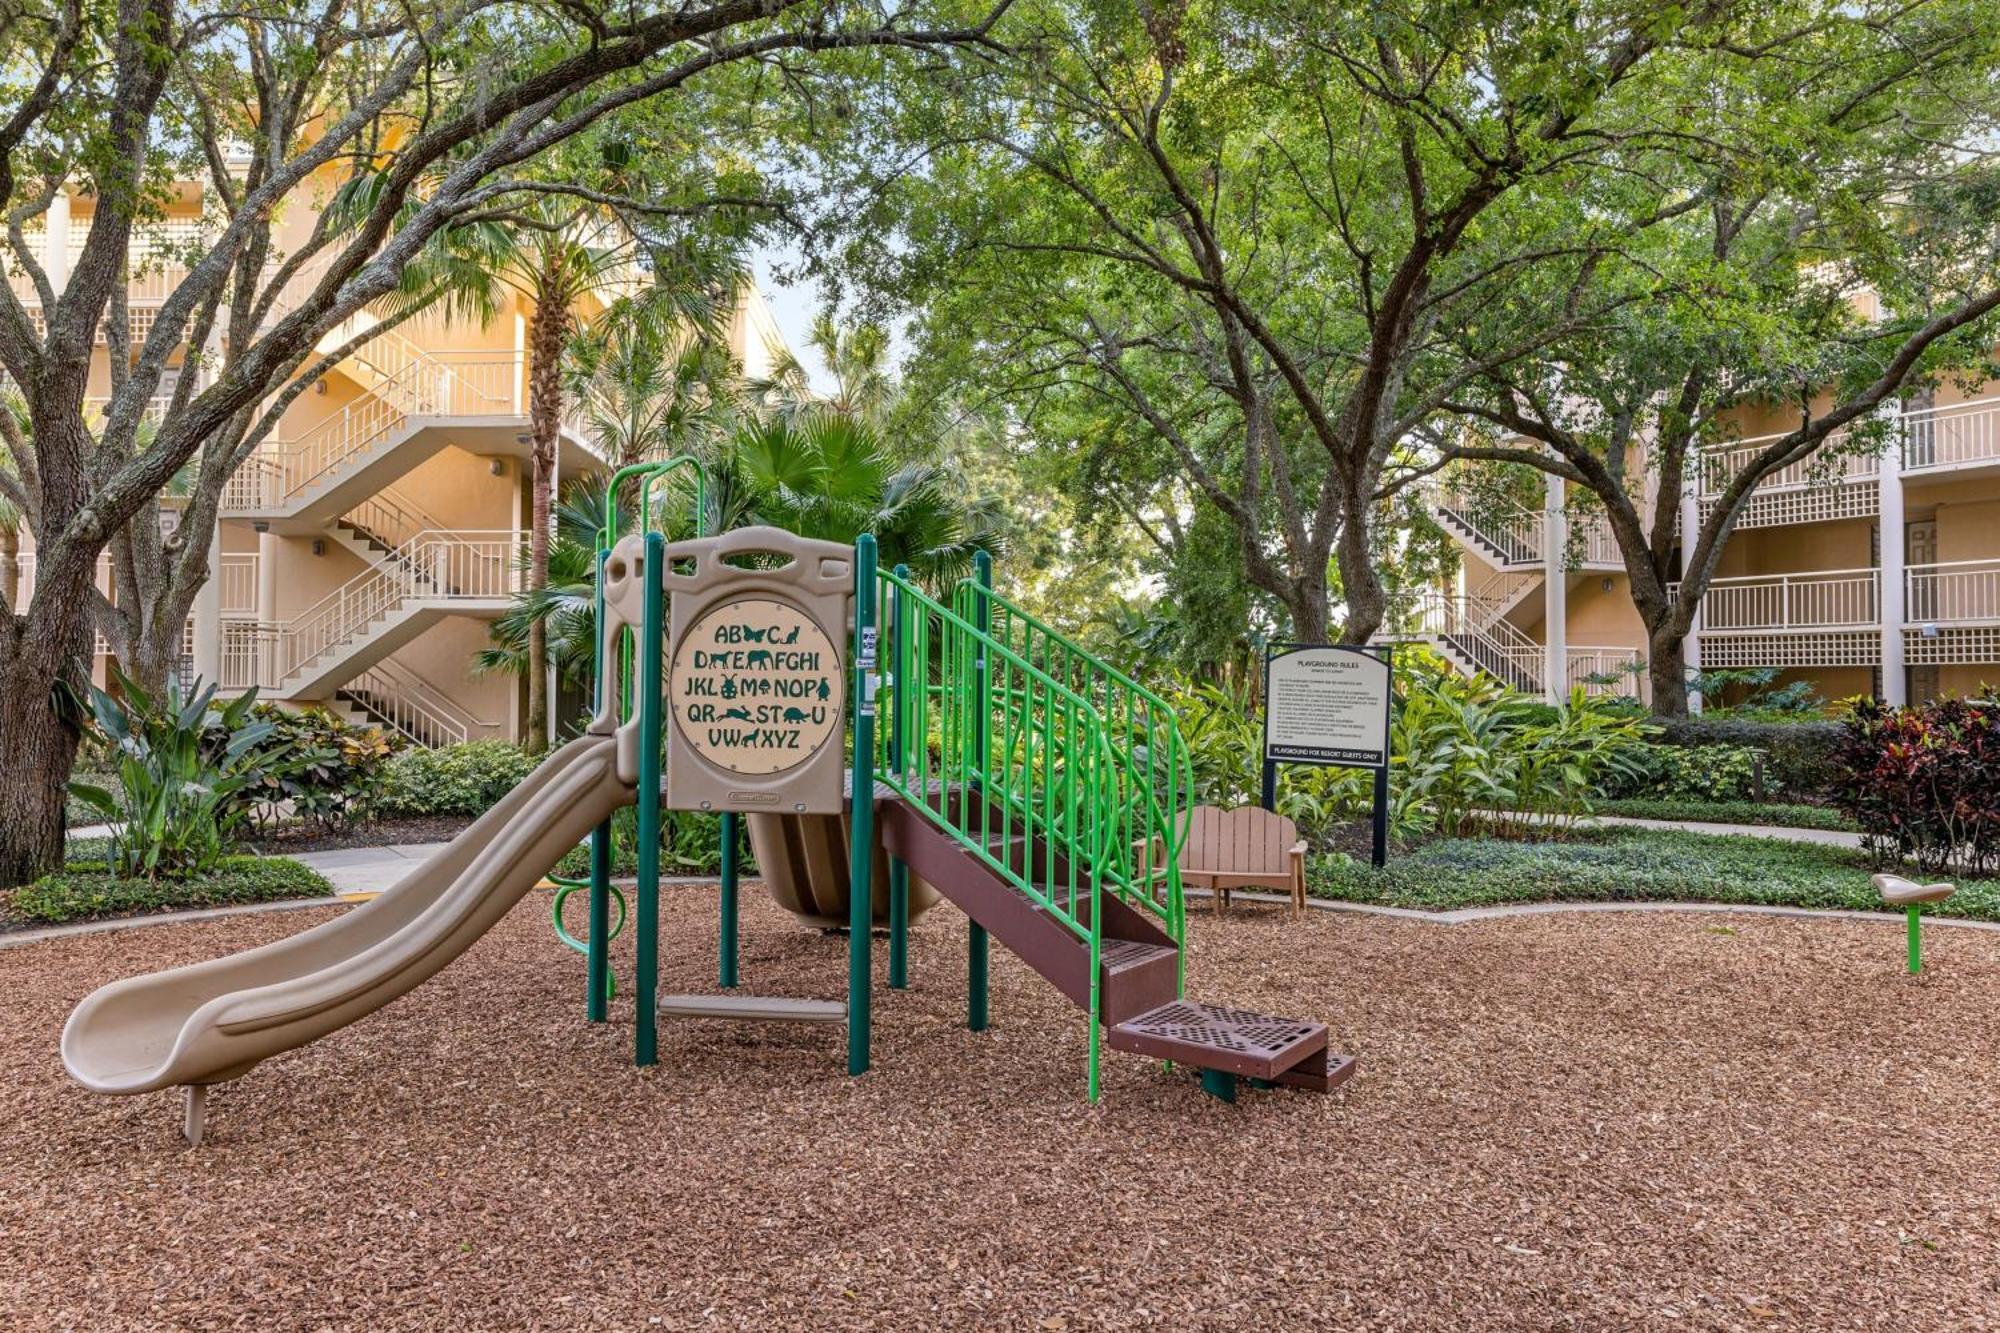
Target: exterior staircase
[397,700]
[414,404]
[409,588]
[1047,801]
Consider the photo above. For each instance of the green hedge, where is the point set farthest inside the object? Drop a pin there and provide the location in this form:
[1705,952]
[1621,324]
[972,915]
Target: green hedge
[1798,756]
[82,892]
[1768,813]
[451,780]
[1626,865]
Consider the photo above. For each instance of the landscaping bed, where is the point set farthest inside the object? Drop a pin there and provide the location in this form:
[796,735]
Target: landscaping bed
[309,837]
[85,891]
[1561,1122]
[1616,864]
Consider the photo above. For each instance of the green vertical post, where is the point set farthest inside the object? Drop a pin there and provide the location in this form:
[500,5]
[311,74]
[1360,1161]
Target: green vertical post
[977,946]
[861,801]
[899,872]
[726,951]
[597,950]
[1916,940]
[645,1040]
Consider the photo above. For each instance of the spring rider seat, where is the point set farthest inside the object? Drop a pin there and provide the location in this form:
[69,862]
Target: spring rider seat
[1911,896]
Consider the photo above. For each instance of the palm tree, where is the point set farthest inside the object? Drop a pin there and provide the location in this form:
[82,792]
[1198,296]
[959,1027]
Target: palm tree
[833,477]
[558,255]
[651,391]
[863,386]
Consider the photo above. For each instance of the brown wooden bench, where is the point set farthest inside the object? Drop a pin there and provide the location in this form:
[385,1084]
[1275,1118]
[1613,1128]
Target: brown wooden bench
[1245,848]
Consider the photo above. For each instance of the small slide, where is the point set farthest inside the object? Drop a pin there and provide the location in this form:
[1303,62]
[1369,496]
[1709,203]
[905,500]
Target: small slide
[211,1022]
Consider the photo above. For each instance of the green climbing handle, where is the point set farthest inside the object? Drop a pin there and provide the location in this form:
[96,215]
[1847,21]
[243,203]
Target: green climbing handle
[564,888]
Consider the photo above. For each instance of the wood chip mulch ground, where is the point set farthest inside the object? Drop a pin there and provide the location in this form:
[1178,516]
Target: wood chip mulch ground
[1562,1122]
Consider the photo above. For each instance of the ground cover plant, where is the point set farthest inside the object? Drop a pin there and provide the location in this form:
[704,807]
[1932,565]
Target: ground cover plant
[88,890]
[1626,865]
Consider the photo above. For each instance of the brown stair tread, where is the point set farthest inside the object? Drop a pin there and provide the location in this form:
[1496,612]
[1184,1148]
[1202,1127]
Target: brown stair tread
[1214,1036]
[1117,955]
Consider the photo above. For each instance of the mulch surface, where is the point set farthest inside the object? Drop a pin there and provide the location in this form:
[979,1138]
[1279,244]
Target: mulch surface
[1562,1122]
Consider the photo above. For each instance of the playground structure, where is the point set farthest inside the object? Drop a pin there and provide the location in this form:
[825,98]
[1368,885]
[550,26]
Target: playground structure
[1035,788]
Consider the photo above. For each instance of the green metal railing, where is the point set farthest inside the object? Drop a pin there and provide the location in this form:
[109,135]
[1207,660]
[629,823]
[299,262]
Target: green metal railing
[600,984]
[1145,736]
[1026,770]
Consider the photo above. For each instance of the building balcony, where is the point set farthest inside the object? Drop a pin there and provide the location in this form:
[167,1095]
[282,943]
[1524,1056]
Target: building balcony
[1951,615]
[1831,485]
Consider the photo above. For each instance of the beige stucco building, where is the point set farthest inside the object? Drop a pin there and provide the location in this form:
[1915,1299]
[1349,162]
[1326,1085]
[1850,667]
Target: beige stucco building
[367,545]
[1862,571]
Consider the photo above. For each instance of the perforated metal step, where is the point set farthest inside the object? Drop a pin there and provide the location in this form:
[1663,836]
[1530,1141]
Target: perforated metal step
[1214,1036]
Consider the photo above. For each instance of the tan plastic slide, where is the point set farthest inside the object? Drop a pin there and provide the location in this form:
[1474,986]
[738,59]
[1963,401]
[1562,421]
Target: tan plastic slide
[213,1021]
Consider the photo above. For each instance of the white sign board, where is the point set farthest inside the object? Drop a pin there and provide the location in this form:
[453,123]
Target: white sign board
[1326,705]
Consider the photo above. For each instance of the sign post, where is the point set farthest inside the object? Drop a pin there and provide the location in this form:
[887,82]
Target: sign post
[1328,704]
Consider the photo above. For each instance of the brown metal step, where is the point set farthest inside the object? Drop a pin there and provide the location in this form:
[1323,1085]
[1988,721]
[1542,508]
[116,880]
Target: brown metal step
[1232,1041]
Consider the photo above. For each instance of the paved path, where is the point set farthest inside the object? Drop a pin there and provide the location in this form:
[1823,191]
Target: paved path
[367,869]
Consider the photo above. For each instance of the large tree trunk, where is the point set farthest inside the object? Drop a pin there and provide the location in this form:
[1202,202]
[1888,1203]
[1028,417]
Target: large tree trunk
[38,732]
[1359,581]
[545,338]
[1666,666]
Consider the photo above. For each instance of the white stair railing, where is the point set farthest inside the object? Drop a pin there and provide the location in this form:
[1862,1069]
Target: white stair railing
[414,708]
[435,567]
[1483,636]
[1513,530]
[391,517]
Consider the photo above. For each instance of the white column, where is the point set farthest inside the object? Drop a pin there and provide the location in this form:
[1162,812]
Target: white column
[1889,598]
[1690,529]
[1555,592]
[208,615]
[268,546]
[55,242]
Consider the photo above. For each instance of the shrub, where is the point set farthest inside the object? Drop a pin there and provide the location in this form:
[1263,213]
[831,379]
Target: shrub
[1770,813]
[182,770]
[1461,752]
[1476,753]
[80,892]
[333,772]
[452,780]
[690,844]
[1798,756]
[1702,772]
[1924,782]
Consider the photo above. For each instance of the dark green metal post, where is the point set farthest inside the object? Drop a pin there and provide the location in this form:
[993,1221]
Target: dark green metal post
[977,946]
[861,801]
[645,1040]
[597,950]
[899,873]
[726,968]
[1916,940]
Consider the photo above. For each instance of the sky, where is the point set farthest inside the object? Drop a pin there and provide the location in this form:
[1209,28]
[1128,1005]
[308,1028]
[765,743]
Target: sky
[793,308]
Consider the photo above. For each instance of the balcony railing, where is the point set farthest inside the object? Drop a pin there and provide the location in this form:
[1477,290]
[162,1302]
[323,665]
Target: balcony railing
[1824,467]
[1608,671]
[1955,436]
[1957,592]
[236,580]
[1822,599]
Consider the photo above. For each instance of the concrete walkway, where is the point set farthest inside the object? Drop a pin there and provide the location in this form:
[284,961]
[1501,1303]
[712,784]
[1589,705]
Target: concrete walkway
[367,869]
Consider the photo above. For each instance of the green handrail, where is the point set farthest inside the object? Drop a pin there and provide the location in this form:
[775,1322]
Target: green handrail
[602,931]
[1149,741]
[1024,771]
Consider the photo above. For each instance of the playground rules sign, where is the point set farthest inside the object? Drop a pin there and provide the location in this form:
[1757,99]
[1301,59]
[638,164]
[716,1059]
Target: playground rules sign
[1326,705]
[756,687]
